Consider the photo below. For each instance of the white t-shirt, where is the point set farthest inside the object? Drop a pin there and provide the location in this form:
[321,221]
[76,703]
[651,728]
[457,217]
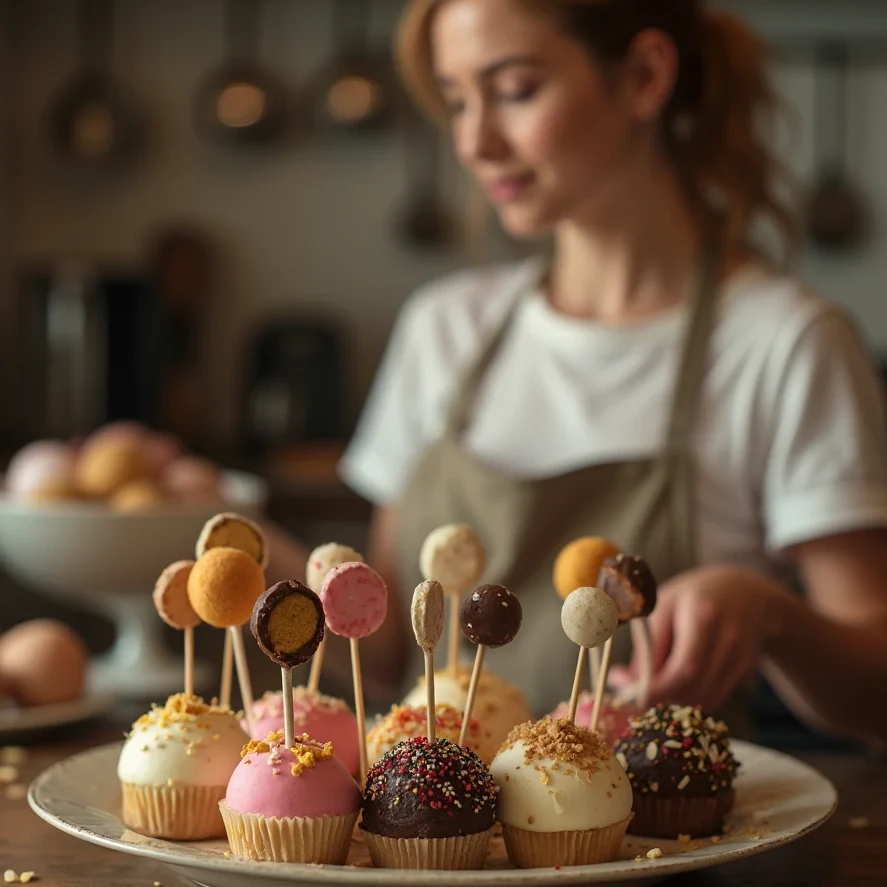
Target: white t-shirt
[790,437]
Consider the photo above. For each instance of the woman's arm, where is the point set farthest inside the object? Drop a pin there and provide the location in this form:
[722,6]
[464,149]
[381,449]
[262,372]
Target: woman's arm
[826,655]
[828,660]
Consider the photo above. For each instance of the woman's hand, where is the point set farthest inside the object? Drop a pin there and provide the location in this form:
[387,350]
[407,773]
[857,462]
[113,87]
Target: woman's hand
[708,631]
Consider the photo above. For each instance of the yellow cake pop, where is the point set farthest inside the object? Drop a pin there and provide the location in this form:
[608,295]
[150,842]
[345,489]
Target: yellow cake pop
[579,564]
[224,586]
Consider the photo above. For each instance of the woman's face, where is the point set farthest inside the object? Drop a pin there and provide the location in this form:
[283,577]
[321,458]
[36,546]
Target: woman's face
[540,125]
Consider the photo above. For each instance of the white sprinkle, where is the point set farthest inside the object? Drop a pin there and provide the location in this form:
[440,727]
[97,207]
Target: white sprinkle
[504,603]
[26,877]
[475,597]
[622,760]
[683,783]
[10,876]
[672,743]
[652,751]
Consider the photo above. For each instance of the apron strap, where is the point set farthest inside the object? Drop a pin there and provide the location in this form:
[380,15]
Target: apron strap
[466,389]
[692,367]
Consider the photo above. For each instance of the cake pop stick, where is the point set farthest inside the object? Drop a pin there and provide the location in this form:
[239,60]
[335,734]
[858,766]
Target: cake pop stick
[288,625]
[427,616]
[174,608]
[455,557]
[578,566]
[355,601]
[223,588]
[490,617]
[630,584]
[320,562]
[230,530]
[589,619]
[227,671]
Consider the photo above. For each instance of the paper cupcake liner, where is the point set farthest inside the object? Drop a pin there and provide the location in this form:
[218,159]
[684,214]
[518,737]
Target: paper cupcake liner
[310,839]
[669,817]
[180,813]
[530,850]
[447,854]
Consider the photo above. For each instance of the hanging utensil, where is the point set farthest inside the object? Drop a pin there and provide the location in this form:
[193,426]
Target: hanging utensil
[240,103]
[354,92]
[426,224]
[90,123]
[836,214]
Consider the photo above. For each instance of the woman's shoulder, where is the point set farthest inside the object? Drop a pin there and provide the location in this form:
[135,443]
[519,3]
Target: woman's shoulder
[467,301]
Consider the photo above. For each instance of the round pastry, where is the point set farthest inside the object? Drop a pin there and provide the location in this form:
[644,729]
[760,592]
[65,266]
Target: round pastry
[589,617]
[138,495]
[323,717]
[429,806]
[42,467]
[175,766]
[498,705]
[579,564]
[403,722]
[681,769]
[454,556]
[355,600]
[224,586]
[324,558]
[107,466]
[287,623]
[171,596]
[630,584]
[295,804]
[616,714]
[229,530]
[563,798]
[490,615]
[42,662]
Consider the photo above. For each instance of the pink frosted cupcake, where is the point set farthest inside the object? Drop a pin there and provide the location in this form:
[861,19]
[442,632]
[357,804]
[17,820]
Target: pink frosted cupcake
[322,717]
[295,804]
[616,715]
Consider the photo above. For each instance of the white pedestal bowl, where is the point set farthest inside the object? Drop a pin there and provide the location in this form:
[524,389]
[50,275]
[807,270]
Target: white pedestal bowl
[108,561]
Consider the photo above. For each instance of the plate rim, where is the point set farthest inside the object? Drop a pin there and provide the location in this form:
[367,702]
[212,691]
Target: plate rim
[88,706]
[664,867]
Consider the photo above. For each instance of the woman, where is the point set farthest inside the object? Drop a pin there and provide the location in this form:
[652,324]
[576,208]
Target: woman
[655,382]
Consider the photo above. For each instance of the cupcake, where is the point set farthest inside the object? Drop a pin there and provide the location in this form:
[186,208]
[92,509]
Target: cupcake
[322,717]
[681,768]
[429,806]
[404,722]
[498,705]
[563,798]
[174,768]
[616,715]
[295,804]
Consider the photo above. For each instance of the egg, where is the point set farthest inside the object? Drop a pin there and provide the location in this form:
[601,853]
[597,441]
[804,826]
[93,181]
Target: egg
[191,478]
[138,495]
[42,662]
[106,466]
[39,469]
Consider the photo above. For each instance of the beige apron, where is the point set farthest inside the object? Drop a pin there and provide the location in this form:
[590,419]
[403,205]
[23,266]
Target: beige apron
[644,506]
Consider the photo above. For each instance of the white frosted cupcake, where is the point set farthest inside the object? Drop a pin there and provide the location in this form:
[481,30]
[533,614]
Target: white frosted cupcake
[563,797]
[175,766]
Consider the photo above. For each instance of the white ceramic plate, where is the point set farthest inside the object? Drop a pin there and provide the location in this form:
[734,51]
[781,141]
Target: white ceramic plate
[45,717]
[779,799]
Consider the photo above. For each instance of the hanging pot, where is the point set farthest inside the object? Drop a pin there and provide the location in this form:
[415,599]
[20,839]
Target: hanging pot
[240,103]
[90,123]
[355,91]
[836,212]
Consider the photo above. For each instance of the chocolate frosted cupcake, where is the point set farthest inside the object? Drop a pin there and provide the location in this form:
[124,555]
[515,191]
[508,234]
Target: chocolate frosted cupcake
[681,768]
[429,807]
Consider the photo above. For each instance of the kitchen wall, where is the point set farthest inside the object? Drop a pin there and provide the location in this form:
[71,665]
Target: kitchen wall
[310,225]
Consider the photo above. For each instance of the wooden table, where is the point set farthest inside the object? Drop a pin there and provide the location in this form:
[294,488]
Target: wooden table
[849,851]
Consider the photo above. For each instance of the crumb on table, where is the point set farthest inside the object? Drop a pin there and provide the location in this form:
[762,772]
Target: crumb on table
[655,853]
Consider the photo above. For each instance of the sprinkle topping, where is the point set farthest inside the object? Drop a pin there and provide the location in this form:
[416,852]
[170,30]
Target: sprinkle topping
[560,741]
[441,777]
[679,750]
[307,752]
